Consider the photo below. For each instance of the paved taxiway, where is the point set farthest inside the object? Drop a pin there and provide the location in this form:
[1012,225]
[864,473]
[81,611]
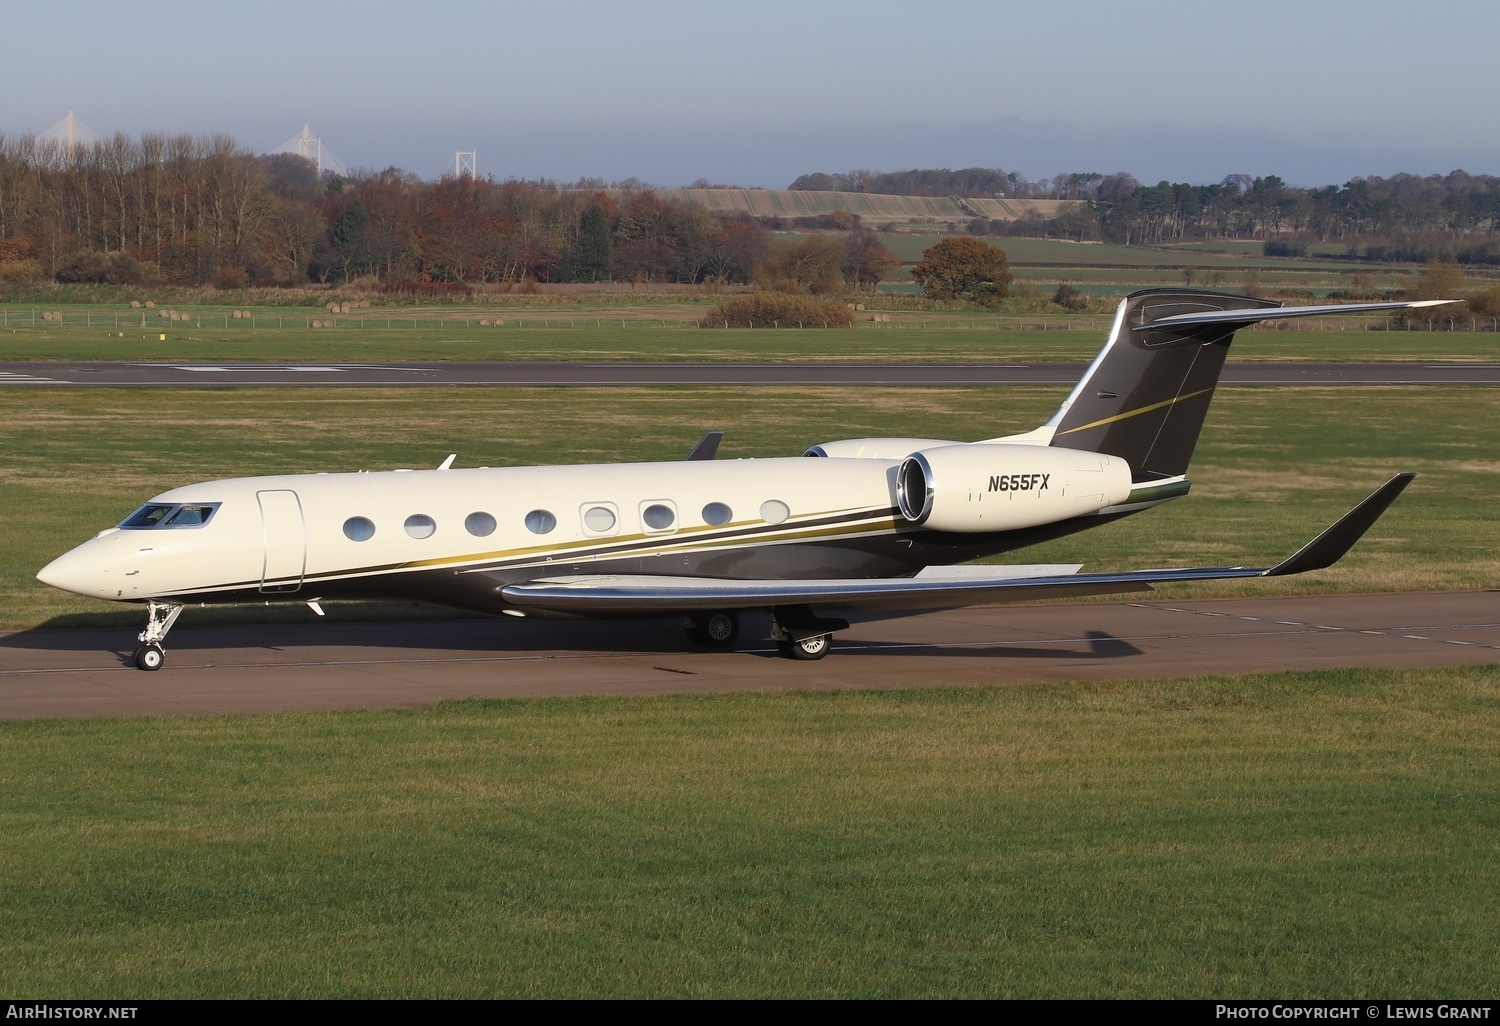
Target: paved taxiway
[83,374]
[259,669]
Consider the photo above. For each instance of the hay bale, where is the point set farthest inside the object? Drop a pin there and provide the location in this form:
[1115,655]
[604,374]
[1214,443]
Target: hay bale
[343,308]
[150,304]
[135,304]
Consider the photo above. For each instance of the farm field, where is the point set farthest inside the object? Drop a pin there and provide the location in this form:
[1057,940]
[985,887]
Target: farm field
[1296,835]
[1230,266]
[874,209]
[1273,467]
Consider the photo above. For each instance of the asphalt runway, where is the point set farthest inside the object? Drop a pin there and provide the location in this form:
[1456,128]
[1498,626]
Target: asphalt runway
[85,374]
[312,666]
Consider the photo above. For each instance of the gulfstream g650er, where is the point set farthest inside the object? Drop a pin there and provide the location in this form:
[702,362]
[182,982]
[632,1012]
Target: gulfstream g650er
[869,523]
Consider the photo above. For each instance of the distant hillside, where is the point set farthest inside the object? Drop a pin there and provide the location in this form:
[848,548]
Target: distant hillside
[876,211]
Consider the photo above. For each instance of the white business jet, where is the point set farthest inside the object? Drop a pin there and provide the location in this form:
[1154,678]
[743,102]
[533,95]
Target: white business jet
[870,523]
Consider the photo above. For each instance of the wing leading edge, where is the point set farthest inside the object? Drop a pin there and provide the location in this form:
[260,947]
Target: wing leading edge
[625,595]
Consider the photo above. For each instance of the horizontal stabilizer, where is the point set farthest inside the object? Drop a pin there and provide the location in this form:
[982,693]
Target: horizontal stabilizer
[1241,318]
[604,595]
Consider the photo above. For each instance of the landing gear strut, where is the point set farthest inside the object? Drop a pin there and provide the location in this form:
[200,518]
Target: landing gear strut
[160,616]
[799,634]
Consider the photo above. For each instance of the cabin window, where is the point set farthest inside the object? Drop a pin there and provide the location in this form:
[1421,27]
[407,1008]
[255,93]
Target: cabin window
[359,529]
[420,525]
[599,519]
[716,514]
[774,511]
[480,525]
[658,516]
[539,521]
[163,514]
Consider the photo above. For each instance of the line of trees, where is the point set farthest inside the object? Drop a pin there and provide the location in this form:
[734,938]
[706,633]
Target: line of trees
[195,210]
[1453,217]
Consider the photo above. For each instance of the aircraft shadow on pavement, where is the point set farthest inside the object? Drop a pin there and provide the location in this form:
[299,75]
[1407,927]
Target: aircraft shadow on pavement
[1100,645]
[488,638]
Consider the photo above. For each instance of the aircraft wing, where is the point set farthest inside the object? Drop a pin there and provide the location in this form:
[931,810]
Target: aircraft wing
[941,588]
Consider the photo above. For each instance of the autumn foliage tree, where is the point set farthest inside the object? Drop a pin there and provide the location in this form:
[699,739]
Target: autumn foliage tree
[866,260]
[964,267]
[810,267]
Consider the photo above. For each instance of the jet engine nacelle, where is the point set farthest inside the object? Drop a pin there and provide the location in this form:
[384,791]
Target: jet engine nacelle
[998,487]
[876,448]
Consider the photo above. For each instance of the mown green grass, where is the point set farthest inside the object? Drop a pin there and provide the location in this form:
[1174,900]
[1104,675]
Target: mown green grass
[910,335]
[1296,835]
[1273,465]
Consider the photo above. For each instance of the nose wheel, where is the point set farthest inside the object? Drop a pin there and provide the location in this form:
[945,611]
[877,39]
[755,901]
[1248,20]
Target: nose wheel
[150,657]
[160,616]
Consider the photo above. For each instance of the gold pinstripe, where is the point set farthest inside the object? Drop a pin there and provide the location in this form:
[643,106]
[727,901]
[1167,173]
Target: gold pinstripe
[1136,412]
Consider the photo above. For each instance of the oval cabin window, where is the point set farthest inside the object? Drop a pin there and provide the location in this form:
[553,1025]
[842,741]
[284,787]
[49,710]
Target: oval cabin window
[480,525]
[774,511]
[658,517]
[540,521]
[420,525]
[599,519]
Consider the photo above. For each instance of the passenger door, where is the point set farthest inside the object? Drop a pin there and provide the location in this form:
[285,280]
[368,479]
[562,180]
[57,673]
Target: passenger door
[285,538]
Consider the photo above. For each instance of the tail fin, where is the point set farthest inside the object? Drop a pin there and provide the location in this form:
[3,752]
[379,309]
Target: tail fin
[1146,394]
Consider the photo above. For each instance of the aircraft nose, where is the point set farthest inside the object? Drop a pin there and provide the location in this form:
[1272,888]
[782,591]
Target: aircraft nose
[79,570]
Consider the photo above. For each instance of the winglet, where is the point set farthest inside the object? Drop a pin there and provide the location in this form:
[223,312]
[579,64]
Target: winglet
[1329,547]
[705,449]
[447,464]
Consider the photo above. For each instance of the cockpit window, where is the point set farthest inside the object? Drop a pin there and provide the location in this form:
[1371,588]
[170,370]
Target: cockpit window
[190,516]
[147,516]
[155,515]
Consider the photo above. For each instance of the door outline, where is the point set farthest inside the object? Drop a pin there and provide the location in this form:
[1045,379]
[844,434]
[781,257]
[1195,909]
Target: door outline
[283,532]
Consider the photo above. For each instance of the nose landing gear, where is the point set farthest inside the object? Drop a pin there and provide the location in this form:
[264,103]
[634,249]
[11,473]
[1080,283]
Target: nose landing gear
[159,619]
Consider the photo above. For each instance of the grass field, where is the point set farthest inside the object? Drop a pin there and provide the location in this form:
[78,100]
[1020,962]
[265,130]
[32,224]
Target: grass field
[554,333]
[1297,835]
[1273,466]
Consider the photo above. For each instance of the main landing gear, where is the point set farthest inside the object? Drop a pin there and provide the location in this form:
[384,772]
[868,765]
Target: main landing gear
[713,630]
[160,616]
[798,633]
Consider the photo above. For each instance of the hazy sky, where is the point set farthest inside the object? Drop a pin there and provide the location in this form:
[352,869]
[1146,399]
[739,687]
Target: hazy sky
[1317,91]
